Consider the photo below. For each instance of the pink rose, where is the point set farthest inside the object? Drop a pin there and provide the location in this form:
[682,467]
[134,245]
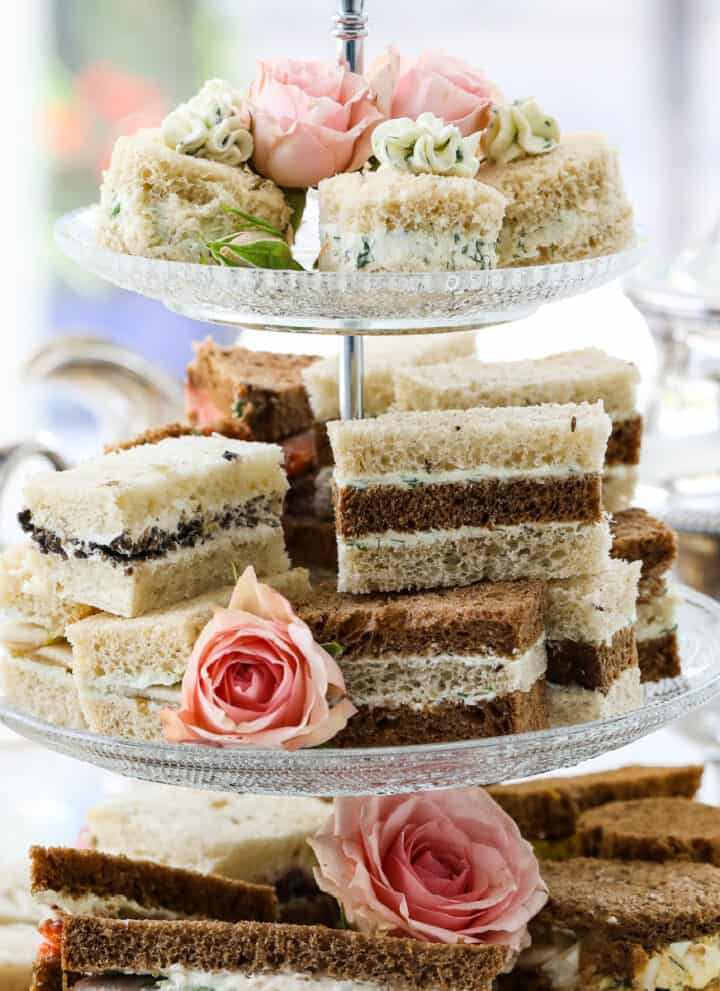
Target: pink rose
[445,867]
[256,677]
[312,120]
[445,86]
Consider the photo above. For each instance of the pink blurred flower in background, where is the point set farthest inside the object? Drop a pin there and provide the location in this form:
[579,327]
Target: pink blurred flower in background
[445,86]
[257,678]
[313,120]
[444,867]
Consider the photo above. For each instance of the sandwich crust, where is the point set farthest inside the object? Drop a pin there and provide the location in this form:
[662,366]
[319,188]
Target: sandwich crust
[96,946]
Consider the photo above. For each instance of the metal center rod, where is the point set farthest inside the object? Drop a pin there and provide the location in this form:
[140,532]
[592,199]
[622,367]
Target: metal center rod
[350,30]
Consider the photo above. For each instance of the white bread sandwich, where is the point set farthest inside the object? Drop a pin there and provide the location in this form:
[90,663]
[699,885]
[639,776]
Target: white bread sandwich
[138,529]
[391,221]
[166,191]
[565,205]
[35,657]
[127,670]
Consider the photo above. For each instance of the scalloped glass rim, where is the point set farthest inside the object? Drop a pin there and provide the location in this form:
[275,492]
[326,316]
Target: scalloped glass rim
[391,770]
[329,302]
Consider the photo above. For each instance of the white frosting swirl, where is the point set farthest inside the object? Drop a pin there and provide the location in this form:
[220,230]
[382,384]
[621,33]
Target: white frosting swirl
[426,145]
[518,129]
[214,124]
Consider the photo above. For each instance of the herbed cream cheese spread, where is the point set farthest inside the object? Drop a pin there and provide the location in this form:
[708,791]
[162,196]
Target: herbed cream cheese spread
[426,145]
[214,124]
[350,251]
[519,129]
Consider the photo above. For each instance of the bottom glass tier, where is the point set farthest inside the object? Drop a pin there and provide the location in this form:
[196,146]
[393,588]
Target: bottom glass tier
[391,770]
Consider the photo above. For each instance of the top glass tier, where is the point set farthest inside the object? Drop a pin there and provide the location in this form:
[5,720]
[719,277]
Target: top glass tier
[335,303]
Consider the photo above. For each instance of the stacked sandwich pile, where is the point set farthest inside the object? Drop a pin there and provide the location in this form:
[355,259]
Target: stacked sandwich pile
[467,568]
[630,858]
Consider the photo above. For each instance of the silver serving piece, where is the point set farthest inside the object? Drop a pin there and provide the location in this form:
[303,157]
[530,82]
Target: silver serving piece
[350,29]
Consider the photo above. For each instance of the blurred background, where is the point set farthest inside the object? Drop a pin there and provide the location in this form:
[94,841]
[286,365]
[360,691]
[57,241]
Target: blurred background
[80,72]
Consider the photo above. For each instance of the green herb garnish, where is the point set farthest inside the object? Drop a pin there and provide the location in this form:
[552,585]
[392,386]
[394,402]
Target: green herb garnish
[334,649]
[239,407]
[115,210]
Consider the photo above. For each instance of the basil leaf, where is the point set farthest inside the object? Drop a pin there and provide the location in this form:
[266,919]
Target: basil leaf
[260,254]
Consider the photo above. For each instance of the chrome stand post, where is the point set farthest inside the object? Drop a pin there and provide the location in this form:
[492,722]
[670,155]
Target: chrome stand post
[350,30]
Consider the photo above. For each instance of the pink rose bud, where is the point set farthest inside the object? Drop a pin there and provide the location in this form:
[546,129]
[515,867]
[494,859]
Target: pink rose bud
[312,120]
[447,87]
[257,678]
[444,866]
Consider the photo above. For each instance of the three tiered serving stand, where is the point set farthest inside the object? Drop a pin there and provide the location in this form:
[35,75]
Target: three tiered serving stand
[354,306]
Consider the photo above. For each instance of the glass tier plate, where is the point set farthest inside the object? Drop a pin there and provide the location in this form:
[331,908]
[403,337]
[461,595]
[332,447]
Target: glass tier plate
[391,770]
[334,303]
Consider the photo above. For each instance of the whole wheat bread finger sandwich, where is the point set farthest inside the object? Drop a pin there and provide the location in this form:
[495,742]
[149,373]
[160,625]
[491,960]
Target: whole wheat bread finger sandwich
[70,882]
[547,810]
[633,925]
[108,955]
[658,829]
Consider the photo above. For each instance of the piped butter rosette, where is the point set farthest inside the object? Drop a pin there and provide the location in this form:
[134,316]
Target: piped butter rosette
[517,130]
[214,124]
[426,145]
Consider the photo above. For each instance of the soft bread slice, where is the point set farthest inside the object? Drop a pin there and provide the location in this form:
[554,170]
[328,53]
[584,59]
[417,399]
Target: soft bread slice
[97,946]
[157,203]
[511,438]
[636,901]
[571,377]
[88,882]
[550,807]
[46,691]
[593,608]
[566,205]
[395,200]
[570,705]
[237,836]
[638,536]
[34,599]
[382,356]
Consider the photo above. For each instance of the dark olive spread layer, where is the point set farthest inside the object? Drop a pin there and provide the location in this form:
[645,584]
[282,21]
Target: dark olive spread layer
[155,542]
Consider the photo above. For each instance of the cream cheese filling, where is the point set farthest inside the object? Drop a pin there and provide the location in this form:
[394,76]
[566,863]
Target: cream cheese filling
[419,538]
[182,979]
[418,682]
[657,616]
[163,694]
[521,241]
[480,473]
[447,251]
[572,704]
[109,906]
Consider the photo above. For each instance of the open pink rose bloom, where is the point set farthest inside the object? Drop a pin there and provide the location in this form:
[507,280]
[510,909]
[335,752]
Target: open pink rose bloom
[438,84]
[257,678]
[445,867]
[313,120]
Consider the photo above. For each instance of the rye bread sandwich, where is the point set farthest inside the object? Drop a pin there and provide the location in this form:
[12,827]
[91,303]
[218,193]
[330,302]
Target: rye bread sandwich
[109,955]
